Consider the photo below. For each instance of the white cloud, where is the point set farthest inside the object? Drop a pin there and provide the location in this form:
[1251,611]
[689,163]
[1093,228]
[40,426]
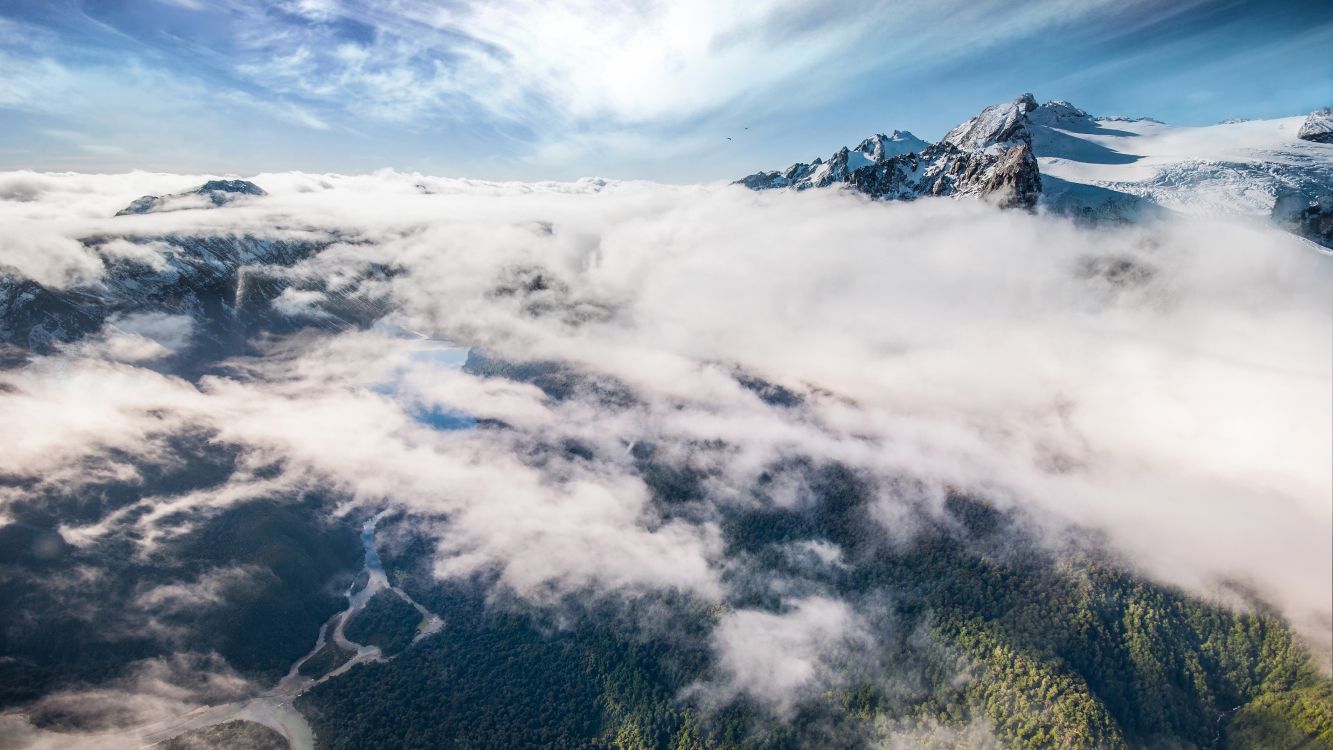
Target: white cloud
[944,342]
[140,107]
[584,77]
[33,251]
[209,589]
[671,62]
[778,658]
[61,411]
[929,734]
[144,337]
[152,690]
[151,253]
[317,10]
[298,302]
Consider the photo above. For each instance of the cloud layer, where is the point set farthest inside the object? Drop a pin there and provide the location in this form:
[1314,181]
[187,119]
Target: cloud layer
[1167,386]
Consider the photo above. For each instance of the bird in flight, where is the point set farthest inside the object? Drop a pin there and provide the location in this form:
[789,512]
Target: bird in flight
[728,137]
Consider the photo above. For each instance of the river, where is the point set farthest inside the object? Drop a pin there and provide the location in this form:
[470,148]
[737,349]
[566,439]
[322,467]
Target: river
[274,708]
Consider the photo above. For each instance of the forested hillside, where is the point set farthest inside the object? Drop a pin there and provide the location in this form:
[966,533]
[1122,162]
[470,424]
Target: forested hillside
[976,626]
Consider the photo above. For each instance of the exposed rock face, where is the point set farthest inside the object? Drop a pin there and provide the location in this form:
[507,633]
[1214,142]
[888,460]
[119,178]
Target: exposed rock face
[35,318]
[227,285]
[214,193]
[1009,177]
[1310,216]
[880,146]
[1318,127]
[989,156]
[997,125]
[820,173]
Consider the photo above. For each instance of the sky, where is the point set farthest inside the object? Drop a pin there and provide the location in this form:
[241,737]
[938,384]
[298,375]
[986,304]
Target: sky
[529,90]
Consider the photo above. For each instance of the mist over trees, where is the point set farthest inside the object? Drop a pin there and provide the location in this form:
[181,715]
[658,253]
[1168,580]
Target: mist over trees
[1018,483]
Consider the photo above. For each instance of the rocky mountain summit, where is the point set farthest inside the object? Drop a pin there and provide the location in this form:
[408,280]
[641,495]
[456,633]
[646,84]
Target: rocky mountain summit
[1060,158]
[211,194]
[224,287]
[989,156]
[1318,127]
[838,167]
[220,288]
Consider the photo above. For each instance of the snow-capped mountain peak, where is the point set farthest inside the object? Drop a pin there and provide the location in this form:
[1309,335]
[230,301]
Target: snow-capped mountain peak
[990,157]
[1120,168]
[879,147]
[211,194]
[1061,114]
[999,124]
[1318,127]
[1098,168]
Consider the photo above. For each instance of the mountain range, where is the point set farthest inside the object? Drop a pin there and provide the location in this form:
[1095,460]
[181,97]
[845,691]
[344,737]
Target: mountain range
[1047,157]
[1059,158]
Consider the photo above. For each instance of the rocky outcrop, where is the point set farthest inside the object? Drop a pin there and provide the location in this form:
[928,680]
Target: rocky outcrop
[879,147]
[1318,127]
[990,157]
[33,317]
[1307,215]
[999,125]
[1009,177]
[839,167]
[230,286]
[214,194]
[1061,114]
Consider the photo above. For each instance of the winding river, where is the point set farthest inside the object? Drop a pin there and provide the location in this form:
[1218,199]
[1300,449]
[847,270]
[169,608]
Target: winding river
[274,708]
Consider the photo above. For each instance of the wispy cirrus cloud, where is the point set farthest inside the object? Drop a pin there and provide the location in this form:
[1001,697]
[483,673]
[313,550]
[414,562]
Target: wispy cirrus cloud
[576,87]
[577,66]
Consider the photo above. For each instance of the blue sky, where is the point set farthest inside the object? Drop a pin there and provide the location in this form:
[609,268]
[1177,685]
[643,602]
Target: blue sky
[522,89]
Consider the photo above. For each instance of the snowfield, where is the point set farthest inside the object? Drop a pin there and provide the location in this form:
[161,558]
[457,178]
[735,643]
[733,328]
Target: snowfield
[1232,168]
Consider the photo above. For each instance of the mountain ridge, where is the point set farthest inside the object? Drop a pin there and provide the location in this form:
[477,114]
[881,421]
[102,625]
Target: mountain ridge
[215,194]
[974,159]
[1060,158]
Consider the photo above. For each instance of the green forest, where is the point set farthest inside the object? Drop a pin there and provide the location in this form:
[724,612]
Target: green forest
[387,622]
[979,626]
[981,630]
[284,565]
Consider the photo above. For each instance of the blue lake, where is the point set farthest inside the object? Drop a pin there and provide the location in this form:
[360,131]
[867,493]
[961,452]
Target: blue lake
[432,355]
